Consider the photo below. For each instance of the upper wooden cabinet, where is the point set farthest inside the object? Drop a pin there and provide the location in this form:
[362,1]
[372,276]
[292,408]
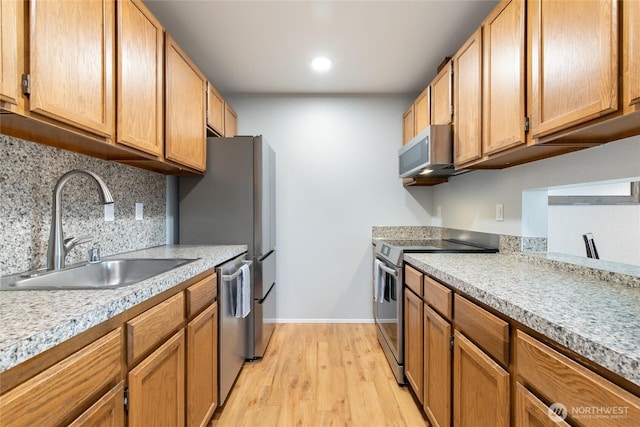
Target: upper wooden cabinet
[11,29]
[422,111]
[467,101]
[140,50]
[72,63]
[230,121]
[503,104]
[185,109]
[408,125]
[631,55]
[442,96]
[215,110]
[573,57]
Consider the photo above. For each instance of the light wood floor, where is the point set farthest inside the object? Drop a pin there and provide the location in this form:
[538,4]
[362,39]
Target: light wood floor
[319,375]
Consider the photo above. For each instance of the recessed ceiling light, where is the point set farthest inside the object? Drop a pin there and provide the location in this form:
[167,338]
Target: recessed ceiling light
[321,63]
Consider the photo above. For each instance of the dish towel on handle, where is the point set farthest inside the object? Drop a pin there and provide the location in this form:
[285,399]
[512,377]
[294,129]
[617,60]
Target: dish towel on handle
[378,282]
[243,294]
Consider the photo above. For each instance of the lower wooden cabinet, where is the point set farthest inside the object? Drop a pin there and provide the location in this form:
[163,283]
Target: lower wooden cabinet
[531,412]
[413,345]
[481,395]
[156,387]
[67,389]
[202,367]
[106,412]
[437,368]
[590,399]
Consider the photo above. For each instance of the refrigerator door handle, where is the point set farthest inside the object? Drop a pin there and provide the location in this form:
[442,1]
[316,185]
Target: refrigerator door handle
[265,256]
[261,300]
[230,277]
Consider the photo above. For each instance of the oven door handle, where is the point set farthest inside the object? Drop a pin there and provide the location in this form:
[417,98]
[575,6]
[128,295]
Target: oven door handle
[383,267]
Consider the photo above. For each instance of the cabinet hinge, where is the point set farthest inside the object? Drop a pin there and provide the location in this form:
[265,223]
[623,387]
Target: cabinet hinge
[451,342]
[26,84]
[526,124]
[126,399]
[451,109]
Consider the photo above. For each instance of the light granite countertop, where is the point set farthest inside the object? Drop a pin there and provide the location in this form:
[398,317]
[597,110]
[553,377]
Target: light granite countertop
[597,319]
[34,321]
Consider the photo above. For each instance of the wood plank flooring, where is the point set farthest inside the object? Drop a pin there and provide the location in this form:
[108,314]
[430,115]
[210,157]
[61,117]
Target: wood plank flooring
[319,375]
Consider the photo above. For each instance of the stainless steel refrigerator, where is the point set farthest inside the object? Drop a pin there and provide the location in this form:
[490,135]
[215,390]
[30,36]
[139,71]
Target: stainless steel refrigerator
[234,203]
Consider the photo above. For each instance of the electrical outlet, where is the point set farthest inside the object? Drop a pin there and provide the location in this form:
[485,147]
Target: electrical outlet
[108,212]
[499,212]
[139,210]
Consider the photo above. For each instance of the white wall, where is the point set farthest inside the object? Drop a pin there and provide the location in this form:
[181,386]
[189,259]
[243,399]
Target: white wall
[615,229]
[468,201]
[336,178]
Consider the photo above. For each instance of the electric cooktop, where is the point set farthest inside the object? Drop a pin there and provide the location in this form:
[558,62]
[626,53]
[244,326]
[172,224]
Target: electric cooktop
[392,250]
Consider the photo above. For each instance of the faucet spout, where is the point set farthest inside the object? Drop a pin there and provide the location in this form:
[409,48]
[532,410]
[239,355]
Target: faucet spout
[57,250]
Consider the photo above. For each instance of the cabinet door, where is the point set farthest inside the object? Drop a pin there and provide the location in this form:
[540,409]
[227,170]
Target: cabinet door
[632,51]
[574,62]
[422,111]
[441,96]
[467,104]
[106,412]
[72,63]
[140,52]
[413,336]
[230,121]
[9,73]
[437,368]
[480,387]
[504,77]
[408,125]
[66,388]
[185,105]
[202,367]
[215,110]
[156,387]
[531,412]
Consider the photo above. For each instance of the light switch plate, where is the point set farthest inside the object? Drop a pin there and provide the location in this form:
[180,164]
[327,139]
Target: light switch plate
[139,209]
[499,212]
[438,211]
[109,212]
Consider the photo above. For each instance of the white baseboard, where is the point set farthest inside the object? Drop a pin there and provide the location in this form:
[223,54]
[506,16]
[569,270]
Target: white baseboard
[323,320]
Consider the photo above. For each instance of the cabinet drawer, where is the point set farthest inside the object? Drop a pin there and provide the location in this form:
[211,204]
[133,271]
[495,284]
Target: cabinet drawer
[201,294]
[71,385]
[558,379]
[488,331]
[438,297]
[413,279]
[147,330]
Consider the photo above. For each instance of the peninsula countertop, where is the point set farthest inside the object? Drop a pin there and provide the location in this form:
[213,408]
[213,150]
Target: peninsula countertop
[35,321]
[596,318]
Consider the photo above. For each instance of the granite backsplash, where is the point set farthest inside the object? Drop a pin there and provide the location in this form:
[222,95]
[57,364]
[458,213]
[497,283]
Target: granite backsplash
[28,173]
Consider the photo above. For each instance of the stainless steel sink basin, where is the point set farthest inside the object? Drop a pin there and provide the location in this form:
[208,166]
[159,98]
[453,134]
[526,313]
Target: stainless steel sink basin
[107,274]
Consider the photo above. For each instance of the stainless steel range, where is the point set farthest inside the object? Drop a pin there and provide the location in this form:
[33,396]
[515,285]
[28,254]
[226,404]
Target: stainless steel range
[388,310]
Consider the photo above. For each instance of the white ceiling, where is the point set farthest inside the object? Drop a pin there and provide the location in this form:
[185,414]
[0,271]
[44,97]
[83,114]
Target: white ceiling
[266,46]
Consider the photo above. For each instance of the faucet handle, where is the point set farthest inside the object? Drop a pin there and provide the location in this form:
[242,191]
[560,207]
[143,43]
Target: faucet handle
[71,242]
[94,254]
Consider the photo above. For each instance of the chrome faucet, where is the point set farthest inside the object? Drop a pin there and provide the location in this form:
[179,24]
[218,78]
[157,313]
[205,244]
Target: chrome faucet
[58,246]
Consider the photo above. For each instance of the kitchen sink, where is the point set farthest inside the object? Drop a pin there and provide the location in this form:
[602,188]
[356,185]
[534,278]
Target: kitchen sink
[107,274]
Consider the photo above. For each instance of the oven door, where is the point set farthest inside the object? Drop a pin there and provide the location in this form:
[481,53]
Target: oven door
[388,315]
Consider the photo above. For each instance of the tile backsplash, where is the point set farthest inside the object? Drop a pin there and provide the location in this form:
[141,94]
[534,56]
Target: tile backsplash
[28,174]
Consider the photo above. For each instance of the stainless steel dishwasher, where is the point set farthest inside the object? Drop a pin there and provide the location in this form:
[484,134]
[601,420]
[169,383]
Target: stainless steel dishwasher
[232,330]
